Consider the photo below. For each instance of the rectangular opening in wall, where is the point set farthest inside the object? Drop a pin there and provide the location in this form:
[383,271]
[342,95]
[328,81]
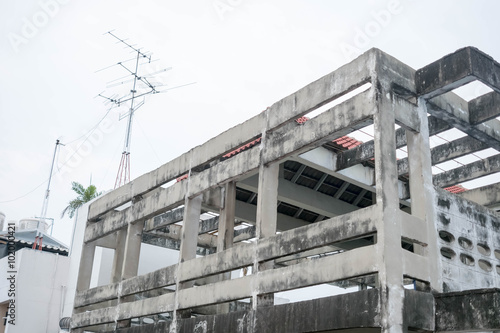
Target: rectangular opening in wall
[415,284]
[102,266]
[326,289]
[311,191]
[222,308]
[338,100]
[325,251]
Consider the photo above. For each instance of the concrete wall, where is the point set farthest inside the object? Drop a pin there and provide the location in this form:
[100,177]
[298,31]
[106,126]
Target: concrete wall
[469,237]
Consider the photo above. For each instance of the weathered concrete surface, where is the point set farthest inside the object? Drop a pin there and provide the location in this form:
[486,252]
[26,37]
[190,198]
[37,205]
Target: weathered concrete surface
[467,172]
[469,311]
[469,226]
[322,314]
[419,310]
[456,69]
[465,254]
[448,151]
[484,108]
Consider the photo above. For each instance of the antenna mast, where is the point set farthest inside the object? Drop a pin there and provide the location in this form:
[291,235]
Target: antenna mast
[141,87]
[123,175]
[39,234]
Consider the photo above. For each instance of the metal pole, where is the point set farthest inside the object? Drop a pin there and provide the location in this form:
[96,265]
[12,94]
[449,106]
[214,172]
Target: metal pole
[47,192]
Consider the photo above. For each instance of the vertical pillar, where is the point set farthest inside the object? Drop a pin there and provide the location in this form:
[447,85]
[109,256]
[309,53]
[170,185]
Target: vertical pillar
[388,226]
[226,218]
[422,192]
[85,270]
[189,242]
[189,233]
[267,214]
[226,231]
[128,254]
[132,251]
[116,270]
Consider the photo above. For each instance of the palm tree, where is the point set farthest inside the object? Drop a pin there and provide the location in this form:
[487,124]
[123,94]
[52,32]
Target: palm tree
[84,195]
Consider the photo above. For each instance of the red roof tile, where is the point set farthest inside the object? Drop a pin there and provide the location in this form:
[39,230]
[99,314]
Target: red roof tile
[347,142]
[182,177]
[456,189]
[242,148]
[301,120]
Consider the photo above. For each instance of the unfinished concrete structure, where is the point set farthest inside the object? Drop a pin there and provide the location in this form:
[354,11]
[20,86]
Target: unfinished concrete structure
[294,209]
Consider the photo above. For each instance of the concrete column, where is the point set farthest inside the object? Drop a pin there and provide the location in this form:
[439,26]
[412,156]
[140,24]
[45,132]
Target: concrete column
[189,233]
[267,215]
[116,271]
[422,193]
[226,218]
[226,231]
[129,254]
[85,270]
[388,227]
[132,250]
[189,242]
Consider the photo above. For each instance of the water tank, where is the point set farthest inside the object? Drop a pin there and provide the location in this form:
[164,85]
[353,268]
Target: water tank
[2,220]
[32,224]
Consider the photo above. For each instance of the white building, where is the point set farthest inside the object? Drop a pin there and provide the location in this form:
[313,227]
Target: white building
[32,282]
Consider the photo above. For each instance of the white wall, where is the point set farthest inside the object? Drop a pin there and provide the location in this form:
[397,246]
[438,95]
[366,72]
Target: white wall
[75,256]
[40,281]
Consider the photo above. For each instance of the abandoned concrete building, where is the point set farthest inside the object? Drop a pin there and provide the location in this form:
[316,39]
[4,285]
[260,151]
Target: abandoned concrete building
[288,200]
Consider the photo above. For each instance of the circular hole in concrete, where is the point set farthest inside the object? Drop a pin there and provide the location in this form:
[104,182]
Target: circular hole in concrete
[498,270]
[483,249]
[497,254]
[465,243]
[448,253]
[485,265]
[446,236]
[466,259]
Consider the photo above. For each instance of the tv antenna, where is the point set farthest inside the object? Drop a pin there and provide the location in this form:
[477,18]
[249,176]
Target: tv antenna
[141,86]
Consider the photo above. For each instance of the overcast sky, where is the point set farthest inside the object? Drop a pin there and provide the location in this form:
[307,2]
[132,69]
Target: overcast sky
[243,55]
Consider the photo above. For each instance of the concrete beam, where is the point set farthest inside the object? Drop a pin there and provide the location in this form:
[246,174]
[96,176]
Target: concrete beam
[174,232]
[455,70]
[454,111]
[164,219]
[467,172]
[484,108]
[173,244]
[340,120]
[366,151]
[324,90]
[447,152]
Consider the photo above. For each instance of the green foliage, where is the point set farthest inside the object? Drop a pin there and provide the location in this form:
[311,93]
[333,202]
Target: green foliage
[84,195]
